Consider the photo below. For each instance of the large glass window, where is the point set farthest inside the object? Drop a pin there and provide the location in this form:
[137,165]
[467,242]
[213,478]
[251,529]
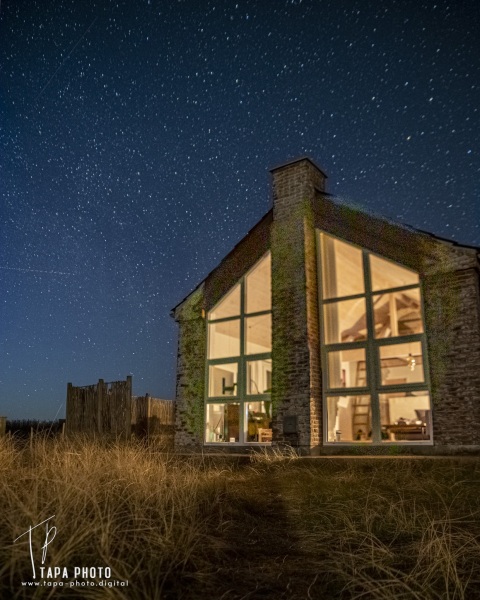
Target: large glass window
[373,339]
[346,368]
[342,268]
[386,274]
[258,287]
[229,306]
[345,321]
[349,419]
[258,418]
[224,339]
[239,362]
[405,416]
[223,422]
[259,376]
[258,334]
[222,380]
[401,363]
[397,313]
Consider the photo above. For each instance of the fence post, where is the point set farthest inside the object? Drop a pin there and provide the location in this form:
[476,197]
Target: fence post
[69,409]
[149,414]
[100,406]
[128,408]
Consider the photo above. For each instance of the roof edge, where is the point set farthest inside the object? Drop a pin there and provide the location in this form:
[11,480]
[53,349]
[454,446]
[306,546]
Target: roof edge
[339,201]
[265,216]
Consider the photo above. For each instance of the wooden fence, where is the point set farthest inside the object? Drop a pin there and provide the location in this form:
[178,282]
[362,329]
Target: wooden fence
[152,417]
[103,408]
[3,425]
[110,409]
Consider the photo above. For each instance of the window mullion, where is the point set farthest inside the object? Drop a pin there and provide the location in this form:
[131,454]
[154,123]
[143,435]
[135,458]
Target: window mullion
[372,367]
[241,365]
[342,298]
[391,290]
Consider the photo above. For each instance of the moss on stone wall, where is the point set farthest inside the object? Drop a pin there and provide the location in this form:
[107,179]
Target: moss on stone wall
[191,368]
[288,273]
[442,301]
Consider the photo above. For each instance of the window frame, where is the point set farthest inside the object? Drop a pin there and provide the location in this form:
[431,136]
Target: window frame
[372,344]
[240,397]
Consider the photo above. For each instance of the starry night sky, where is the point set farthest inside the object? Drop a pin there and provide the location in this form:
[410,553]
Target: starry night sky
[136,139]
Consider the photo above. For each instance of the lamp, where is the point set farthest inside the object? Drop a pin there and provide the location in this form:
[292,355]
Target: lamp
[227,388]
[412,363]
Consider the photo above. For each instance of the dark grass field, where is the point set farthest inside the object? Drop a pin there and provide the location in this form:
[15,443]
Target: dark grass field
[271,527]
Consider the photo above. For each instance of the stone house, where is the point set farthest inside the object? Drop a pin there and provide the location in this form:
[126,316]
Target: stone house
[331,330]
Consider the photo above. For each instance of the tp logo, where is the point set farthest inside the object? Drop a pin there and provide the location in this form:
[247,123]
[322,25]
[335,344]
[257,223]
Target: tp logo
[49,531]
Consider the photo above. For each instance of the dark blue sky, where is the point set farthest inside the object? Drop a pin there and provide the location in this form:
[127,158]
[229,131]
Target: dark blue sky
[136,139]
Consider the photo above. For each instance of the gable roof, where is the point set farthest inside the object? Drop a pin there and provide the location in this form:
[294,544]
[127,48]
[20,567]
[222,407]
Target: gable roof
[337,202]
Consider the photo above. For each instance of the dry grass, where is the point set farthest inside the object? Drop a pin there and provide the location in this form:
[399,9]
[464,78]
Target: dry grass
[278,527]
[272,454]
[151,518]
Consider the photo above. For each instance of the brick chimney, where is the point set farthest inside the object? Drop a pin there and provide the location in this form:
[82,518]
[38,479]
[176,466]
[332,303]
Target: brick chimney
[296,351]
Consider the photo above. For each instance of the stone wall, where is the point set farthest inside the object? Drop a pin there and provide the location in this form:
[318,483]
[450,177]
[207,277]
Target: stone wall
[313,332]
[452,314]
[190,385]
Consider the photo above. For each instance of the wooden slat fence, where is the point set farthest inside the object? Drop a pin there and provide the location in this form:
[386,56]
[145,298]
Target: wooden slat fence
[103,408]
[106,409]
[152,416]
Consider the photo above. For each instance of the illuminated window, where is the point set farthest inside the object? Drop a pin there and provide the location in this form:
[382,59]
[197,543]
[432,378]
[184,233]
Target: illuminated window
[373,347]
[239,362]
